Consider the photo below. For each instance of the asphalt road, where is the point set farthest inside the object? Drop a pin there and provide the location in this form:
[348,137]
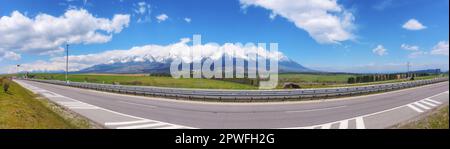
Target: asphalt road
[131,112]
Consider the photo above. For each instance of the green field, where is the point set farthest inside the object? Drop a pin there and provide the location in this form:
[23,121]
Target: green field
[304,80]
[314,80]
[21,109]
[136,79]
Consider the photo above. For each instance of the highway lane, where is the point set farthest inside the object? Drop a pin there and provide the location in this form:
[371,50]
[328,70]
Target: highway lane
[353,112]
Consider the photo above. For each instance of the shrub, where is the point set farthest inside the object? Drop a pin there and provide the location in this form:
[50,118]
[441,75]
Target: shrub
[134,83]
[5,86]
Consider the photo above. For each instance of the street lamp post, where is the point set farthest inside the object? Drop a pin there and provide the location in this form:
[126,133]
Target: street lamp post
[18,75]
[67,62]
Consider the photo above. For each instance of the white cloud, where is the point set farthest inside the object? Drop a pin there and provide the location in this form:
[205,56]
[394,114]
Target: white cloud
[46,33]
[158,53]
[380,50]
[188,20]
[8,55]
[414,24]
[409,47]
[440,49]
[415,50]
[417,54]
[162,17]
[142,11]
[142,8]
[325,20]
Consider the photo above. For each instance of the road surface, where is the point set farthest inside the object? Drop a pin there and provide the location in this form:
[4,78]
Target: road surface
[135,112]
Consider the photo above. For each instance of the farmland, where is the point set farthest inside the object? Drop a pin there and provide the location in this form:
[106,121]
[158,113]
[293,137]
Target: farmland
[304,80]
[139,79]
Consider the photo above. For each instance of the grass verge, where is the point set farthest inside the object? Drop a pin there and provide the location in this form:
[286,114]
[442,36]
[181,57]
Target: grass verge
[21,109]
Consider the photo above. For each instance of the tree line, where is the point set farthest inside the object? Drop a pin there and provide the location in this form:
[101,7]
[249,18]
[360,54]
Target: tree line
[383,77]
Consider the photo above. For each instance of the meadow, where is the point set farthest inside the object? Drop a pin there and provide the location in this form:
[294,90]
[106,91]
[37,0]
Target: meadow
[305,80]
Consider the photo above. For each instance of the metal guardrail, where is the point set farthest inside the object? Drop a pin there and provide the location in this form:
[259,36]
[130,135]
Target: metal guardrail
[230,95]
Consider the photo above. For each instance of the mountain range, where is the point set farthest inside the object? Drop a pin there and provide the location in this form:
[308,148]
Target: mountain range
[151,65]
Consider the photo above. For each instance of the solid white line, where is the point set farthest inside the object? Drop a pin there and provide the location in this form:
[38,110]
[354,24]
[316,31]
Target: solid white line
[446,92]
[425,102]
[171,127]
[421,105]
[326,126]
[132,103]
[122,114]
[367,115]
[415,108]
[141,126]
[343,124]
[433,101]
[86,108]
[76,104]
[126,123]
[360,123]
[319,109]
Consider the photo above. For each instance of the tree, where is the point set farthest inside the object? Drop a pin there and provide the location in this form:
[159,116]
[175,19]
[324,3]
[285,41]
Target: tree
[358,79]
[351,80]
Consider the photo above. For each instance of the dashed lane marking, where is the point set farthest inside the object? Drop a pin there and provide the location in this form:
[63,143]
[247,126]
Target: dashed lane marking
[418,106]
[136,124]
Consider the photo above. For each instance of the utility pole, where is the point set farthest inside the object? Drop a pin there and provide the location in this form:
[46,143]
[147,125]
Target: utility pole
[407,68]
[67,62]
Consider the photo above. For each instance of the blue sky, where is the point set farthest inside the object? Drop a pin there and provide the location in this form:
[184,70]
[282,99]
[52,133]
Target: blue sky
[372,42]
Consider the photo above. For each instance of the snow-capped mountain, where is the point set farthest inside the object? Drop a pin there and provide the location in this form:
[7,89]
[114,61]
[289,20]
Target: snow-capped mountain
[152,65]
[157,59]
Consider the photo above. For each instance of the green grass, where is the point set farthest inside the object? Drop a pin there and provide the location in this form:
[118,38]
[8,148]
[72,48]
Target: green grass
[314,80]
[21,109]
[304,80]
[332,80]
[436,120]
[149,81]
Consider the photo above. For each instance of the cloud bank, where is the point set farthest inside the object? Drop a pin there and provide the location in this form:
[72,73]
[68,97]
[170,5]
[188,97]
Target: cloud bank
[46,34]
[326,21]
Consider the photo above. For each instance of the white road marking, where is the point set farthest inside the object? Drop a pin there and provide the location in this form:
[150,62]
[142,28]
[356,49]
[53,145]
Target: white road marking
[360,123]
[141,126]
[421,105]
[433,101]
[428,103]
[126,123]
[85,108]
[50,94]
[359,120]
[326,126]
[319,109]
[171,127]
[132,103]
[81,105]
[414,108]
[343,124]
